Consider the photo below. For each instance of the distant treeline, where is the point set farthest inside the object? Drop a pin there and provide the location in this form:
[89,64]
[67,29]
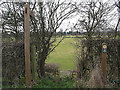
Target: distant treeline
[63,33]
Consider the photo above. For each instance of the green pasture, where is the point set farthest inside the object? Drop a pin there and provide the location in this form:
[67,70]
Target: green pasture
[64,54]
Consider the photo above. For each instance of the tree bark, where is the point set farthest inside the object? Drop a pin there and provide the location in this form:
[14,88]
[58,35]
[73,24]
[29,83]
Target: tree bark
[42,68]
[41,63]
[34,65]
[119,65]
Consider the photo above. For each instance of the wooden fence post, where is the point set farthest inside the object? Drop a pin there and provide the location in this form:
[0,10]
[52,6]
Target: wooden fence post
[27,44]
[104,61]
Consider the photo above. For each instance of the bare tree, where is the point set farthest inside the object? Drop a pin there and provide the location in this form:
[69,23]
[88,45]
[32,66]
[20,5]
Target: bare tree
[12,18]
[93,17]
[48,18]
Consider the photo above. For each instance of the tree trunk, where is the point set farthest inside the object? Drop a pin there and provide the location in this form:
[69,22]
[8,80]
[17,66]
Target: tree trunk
[41,64]
[119,65]
[42,68]
[34,65]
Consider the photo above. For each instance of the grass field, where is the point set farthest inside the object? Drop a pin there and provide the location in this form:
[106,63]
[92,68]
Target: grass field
[64,55]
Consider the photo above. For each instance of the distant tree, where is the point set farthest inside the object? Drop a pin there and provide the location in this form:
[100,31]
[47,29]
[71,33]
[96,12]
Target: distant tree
[65,33]
[61,32]
[70,32]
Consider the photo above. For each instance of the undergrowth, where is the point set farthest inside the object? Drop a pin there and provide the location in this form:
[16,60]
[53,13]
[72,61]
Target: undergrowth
[49,82]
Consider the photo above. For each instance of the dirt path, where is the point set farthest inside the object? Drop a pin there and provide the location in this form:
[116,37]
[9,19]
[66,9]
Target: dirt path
[66,73]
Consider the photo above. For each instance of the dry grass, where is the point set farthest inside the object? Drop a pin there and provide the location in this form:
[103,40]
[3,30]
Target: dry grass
[96,80]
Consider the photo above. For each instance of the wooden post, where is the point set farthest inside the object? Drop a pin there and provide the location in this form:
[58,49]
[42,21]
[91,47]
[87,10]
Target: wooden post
[27,44]
[104,61]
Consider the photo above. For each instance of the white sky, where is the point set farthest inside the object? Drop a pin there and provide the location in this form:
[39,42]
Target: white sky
[74,19]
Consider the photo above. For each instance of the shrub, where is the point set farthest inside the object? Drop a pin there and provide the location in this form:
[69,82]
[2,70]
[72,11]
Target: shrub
[88,56]
[52,68]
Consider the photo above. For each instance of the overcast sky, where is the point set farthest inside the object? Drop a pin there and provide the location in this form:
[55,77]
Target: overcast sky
[73,19]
